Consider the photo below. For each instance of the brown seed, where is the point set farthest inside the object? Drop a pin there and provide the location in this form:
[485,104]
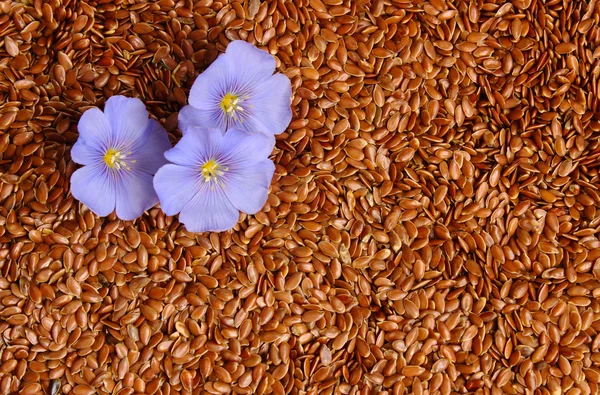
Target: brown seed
[12,48]
[83,390]
[7,119]
[411,371]
[31,389]
[564,48]
[440,194]
[312,316]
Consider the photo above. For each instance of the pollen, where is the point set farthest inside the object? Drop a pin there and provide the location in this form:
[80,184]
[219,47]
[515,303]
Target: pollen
[115,159]
[231,104]
[212,170]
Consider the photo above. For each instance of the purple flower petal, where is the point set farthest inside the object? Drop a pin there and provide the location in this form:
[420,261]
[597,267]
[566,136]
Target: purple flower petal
[206,91]
[134,194]
[176,186]
[128,118]
[250,172]
[196,147]
[209,211]
[190,116]
[248,187]
[86,154]
[149,152]
[94,131]
[241,147]
[95,187]
[269,107]
[249,62]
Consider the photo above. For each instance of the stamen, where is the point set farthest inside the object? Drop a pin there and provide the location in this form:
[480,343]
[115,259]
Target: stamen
[116,159]
[212,171]
[231,105]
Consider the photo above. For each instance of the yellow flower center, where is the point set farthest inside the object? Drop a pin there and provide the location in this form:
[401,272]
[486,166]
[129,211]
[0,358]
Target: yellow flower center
[211,170]
[115,159]
[230,104]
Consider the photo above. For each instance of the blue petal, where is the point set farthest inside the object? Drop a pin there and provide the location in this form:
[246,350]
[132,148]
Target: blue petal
[212,85]
[209,211]
[94,187]
[190,117]
[240,146]
[86,154]
[249,62]
[175,186]
[148,151]
[268,110]
[134,194]
[128,118]
[196,147]
[94,130]
[248,186]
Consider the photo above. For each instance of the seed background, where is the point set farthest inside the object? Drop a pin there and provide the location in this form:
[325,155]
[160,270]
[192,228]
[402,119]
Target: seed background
[431,227]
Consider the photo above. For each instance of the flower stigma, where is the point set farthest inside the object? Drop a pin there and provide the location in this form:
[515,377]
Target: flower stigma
[115,159]
[211,171]
[230,104]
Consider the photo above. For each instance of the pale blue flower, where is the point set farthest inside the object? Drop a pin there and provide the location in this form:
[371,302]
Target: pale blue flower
[121,149]
[213,176]
[239,90]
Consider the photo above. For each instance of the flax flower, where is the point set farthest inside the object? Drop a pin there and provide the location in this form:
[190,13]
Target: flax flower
[213,175]
[239,90]
[121,149]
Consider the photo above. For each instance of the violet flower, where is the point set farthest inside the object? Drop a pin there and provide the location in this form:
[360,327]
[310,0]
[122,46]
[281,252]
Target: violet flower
[239,90]
[120,149]
[214,175]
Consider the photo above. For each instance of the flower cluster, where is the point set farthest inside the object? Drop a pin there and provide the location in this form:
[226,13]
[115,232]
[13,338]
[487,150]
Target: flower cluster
[220,166]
